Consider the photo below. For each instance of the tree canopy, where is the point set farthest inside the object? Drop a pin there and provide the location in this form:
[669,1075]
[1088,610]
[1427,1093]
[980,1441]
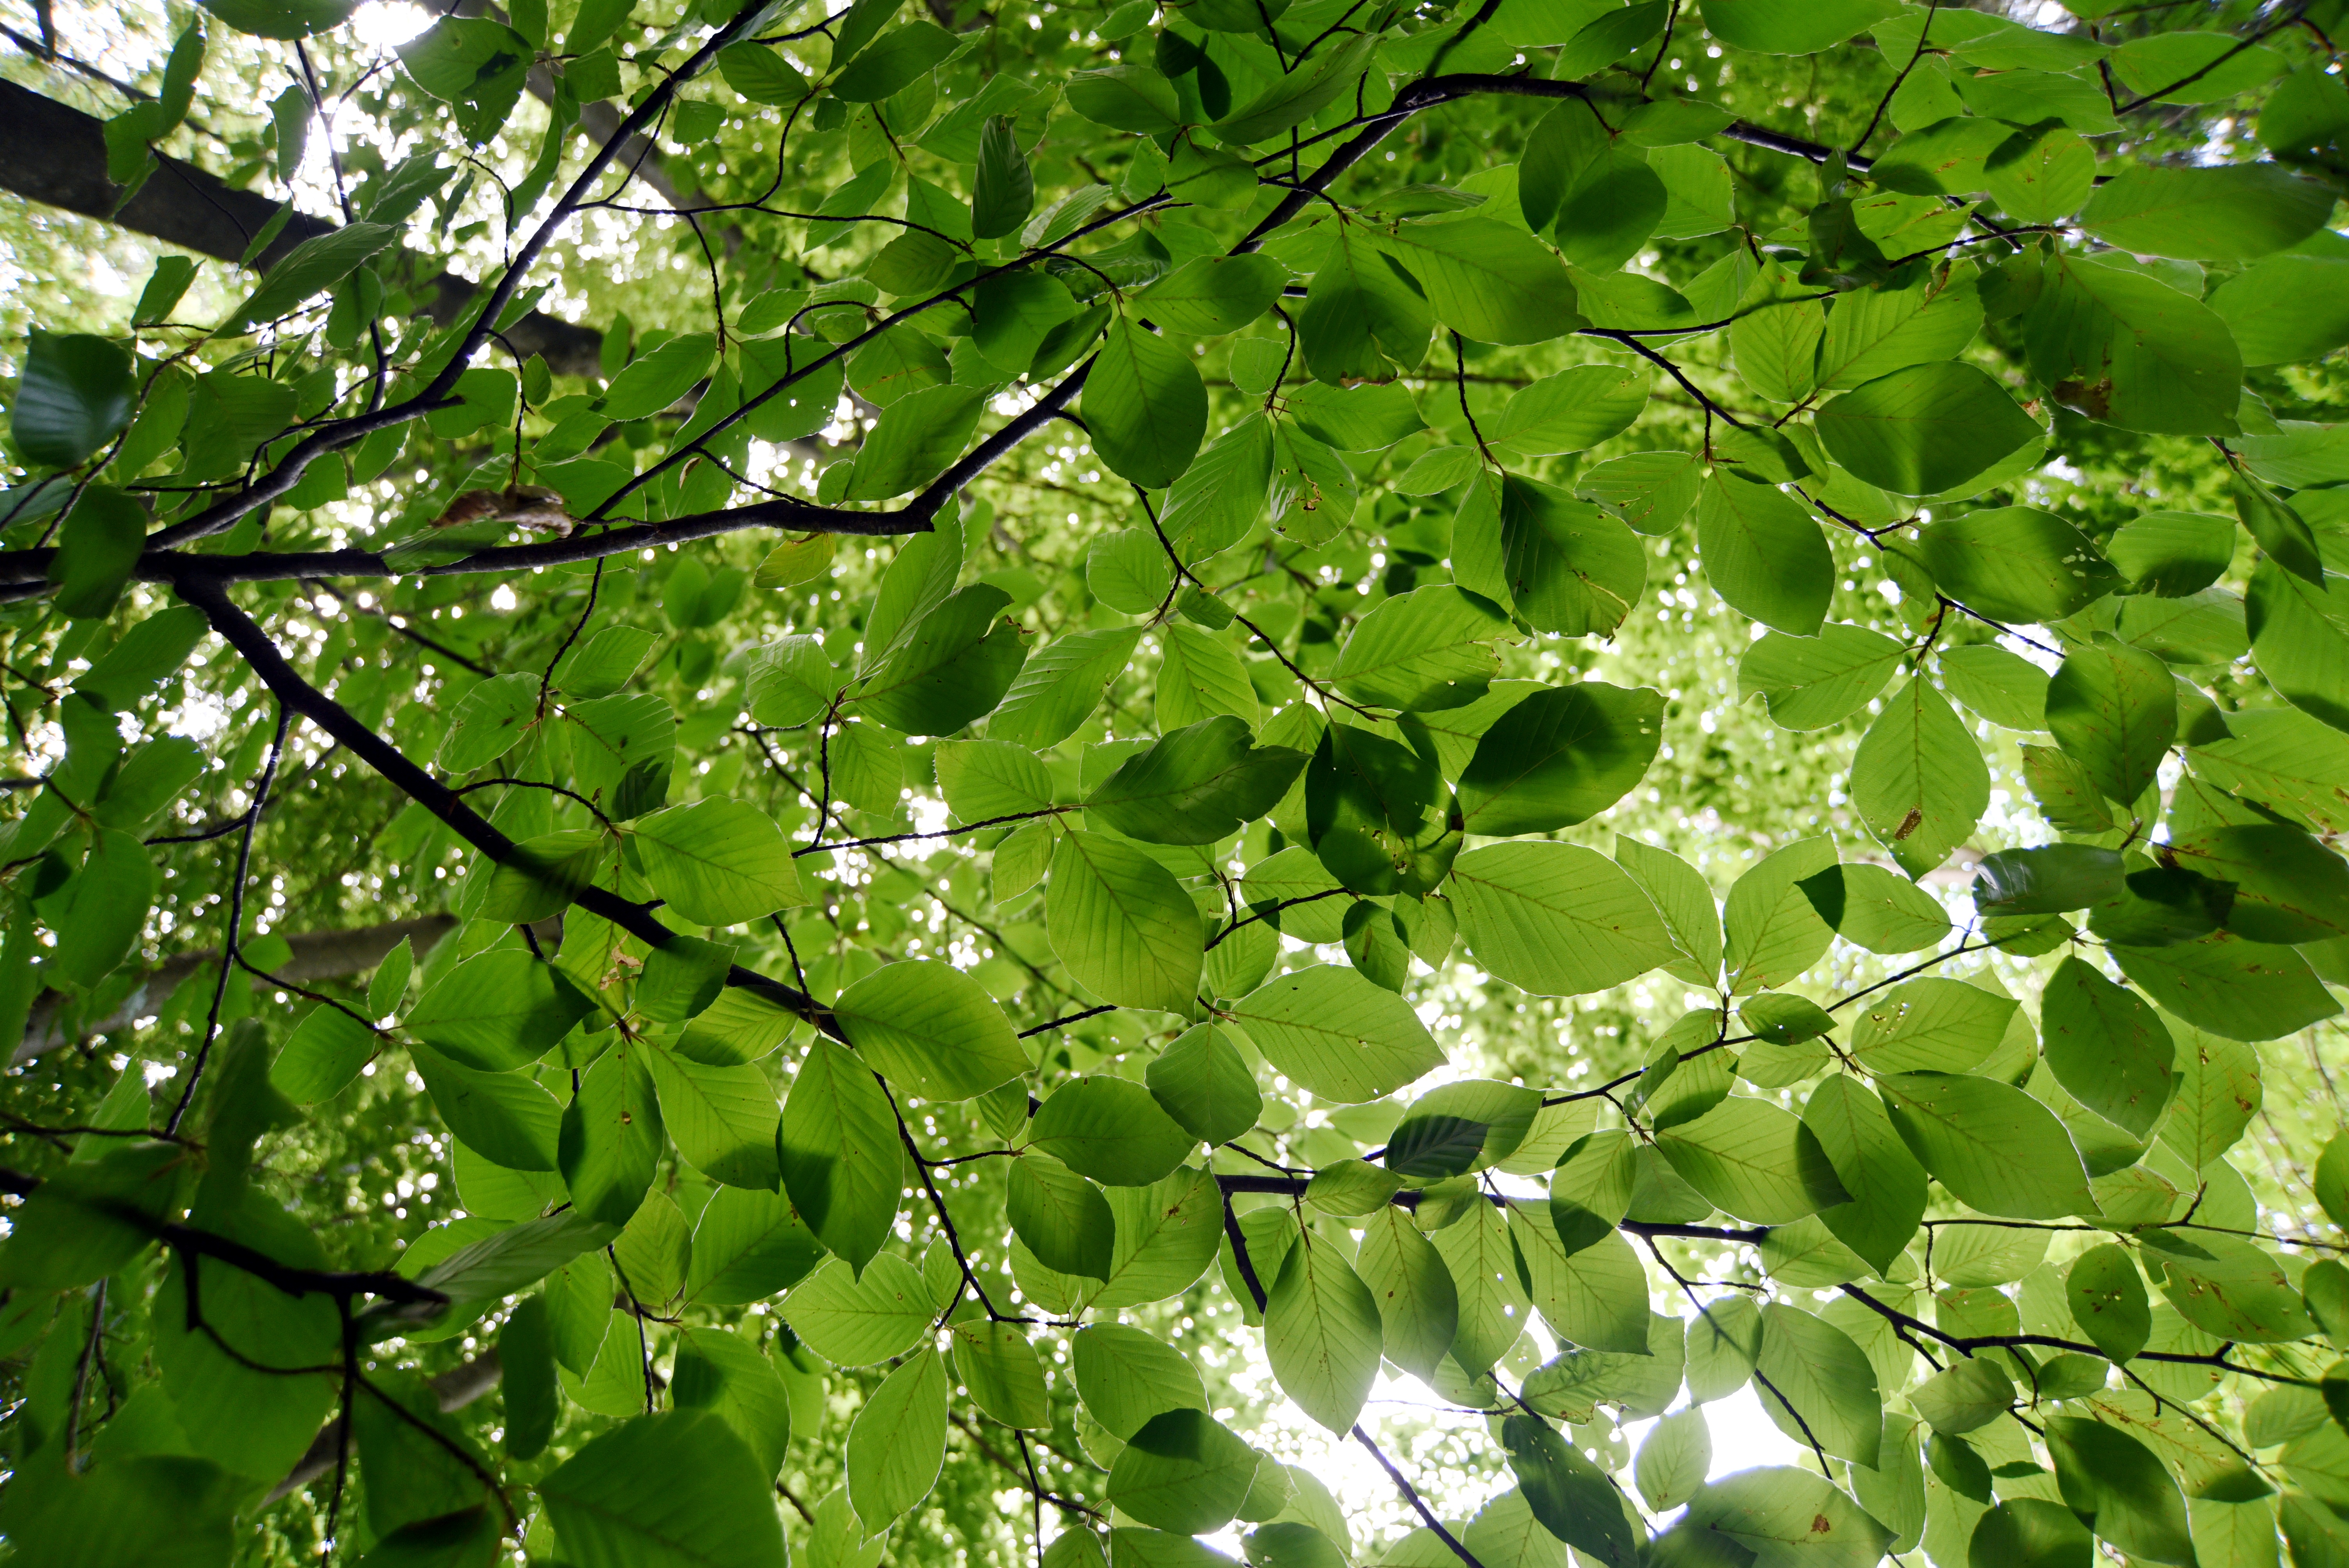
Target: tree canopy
[938,784]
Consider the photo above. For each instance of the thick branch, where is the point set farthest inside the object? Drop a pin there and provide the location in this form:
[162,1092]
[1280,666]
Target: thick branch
[56,155]
[239,631]
[318,955]
[293,1281]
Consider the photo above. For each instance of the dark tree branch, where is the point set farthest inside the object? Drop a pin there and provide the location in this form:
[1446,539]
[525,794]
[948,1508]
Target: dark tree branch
[239,631]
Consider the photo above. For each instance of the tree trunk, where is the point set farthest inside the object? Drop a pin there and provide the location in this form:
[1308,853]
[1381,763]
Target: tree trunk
[56,155]
[318,955]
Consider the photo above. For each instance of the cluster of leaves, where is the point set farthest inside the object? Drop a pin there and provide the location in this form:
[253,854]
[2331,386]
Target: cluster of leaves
[890,1000]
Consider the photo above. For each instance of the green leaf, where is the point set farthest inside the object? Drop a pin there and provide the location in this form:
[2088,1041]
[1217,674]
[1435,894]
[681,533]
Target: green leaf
[2172,553]
[1684,899]
[1127,1379]
[1651,491]
[676,1487]
[1336,1034]
[475,64]
[1199,676]
[1965,1395]
[1783,1515]
[2230,1288]
[656,380]
[789,681]
[309,269]
[1111,1129]
[995,1362]
[931,1027]
[2127,349]
[2106,1046]
[1419,1307]
[1924,429]
[2299,637]
[1993,1146]
[2282,759]
[2049,880]
[1003,192]
[1764,555]
[1487,281]
[2003,686]
[1296,96]
[1877,909]
[506,1118]
[1183,1471]
[1196,785]
[1014,315]
[1774,933]
[1784,27]
[1560,565]
[761,74]
[323,1054]
[2115,1483]
[1742,1155]
[723,1372]
[490,719]
[2286,308]
[2030,1532]
[1204,1083]
[1321,1334]
[1722,1341]
[916,438]
[498,1011]
[1557,920]
[2232,213]
[1673,1460]
[898,1443]
[985,779]
[91,1218]
[611,1138]
[1145,405]
[1128,97]
[75,394]
[98,915]
[1372,814]
[1572,411]
[1062,1217]
[1572,1497]
[1811,1376]
[1431,648]
[1597,1297]
[1222,494]
[1559,756]
[723,1118]
[890,63]
[1932,1025]
[2108,1301]
[1591,1188]
[1846,1127]
[1918,779]
[718,862]
[2113,711]
[853,1320]
[1209,295]
[97,547]
[1128,571]
[543,875]
[1810,683]
[1060,685]
[747,1245]
[2016,563]
[1124,926]
[2239,989]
